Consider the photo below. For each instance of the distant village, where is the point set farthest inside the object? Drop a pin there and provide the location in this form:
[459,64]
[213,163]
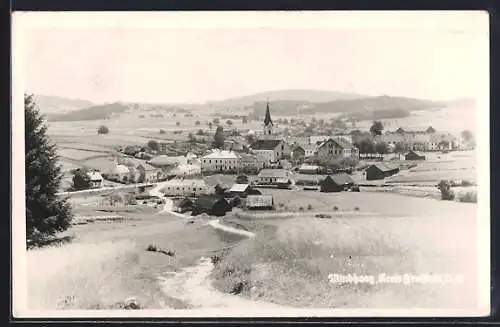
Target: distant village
[216,173]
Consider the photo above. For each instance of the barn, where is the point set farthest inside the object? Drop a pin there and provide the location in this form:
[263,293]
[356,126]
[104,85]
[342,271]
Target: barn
[211,205]
[414,155]
[260,202]
[380,171]
[243,190]
[337,183]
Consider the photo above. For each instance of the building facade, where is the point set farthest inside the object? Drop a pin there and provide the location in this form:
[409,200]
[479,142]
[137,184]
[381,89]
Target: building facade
[220,161]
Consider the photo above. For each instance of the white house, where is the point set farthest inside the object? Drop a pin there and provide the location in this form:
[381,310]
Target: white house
[220,161]
[185,187]
[95,178]
[274,176]
[117,172]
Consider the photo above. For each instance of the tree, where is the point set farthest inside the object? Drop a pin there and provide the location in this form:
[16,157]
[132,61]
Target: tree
[197,123]
[219,138]
[46,212]
[142,178]
[191,138]
[376,128]
[381,148]
[200,132]
[229,122]
[178,123]
[467,135]
[244,120]
[102,130]
[210,125]
[81,180]
[216,121]
[400,130]
[250,139]
[153,145]
[285,121]
[430,130]
[162,131]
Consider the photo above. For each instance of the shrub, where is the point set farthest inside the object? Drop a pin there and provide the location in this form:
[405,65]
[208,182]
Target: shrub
[309,207]
[177,123]
[469,197]
[102,130]
[281,205]
[162,131]
[444,187]
[301,208]
[467,183]
[152,248]
[356,208]
[335,208]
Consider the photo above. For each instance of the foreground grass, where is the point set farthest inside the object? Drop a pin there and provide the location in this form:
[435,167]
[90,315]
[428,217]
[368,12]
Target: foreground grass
[289,261]
[107,262]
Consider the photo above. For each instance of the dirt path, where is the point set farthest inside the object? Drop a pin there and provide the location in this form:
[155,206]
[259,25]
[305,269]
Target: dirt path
[192,285]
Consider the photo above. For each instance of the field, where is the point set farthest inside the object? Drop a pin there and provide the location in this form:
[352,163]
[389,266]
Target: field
[289,261]
[106,262]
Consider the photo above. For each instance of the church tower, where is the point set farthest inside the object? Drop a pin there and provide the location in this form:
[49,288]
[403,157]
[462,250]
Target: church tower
[268,123]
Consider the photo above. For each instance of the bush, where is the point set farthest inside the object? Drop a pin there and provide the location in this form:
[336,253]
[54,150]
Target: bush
[178,123]
[467,183]
[309,207]
[469,197]
[301,209]
[281,205]
[356,208]
[151,248]
[162,131]
[102,130]
[335,208]
[444,187]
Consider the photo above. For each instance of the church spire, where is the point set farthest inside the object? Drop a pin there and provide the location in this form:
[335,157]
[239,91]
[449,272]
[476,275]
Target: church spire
[267,119]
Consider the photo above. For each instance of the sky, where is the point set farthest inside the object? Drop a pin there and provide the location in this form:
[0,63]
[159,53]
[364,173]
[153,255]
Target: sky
[202,58]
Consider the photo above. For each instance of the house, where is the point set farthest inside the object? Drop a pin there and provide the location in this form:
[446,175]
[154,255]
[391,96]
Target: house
[211,205]
[220,161]
[243,190]
[337,183]
[250,162]
[274,176]
[185,187]
[95,178]
[148,173]
[117,172]
[309,169]
[380,171]
[269,151]
[310,150]
[333,149]
[414,155]
[260,202]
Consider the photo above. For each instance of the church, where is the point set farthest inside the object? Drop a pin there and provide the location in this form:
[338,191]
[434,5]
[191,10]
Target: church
[270,148]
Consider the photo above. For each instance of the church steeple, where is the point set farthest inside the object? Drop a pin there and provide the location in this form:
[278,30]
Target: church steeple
[268,123]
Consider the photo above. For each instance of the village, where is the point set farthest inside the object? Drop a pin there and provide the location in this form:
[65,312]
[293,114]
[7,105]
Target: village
[238,164]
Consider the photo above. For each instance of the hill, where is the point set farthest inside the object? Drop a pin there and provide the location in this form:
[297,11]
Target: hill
[100,112]
[283,95]
[57,105]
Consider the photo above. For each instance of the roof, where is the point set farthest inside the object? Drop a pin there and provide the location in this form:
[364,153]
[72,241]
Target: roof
[94,175]
[146,166]
[185,182]
[222,180]
[247,157]
[259,201]
[120,169]
[221,154]
[208,201]
[239,188]
[309,167]
[309,178]
[275,173]
[266,144]
[339,141]
[416,153]
[384,166]
[341,179]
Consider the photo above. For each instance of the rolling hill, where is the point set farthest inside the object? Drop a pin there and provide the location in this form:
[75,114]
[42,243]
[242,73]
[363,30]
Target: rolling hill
[100,112]
[300,96]
[58,105]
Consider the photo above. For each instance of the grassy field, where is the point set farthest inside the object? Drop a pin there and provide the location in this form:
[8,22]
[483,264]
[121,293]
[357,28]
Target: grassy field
[106,262]
[290,259]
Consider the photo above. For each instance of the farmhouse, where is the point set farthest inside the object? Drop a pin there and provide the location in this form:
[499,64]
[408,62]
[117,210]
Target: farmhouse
[95,178]
[185,187]
[243,190]
[413,155]
[332,149]
[149,172]
[260,202]
[380,171]
[269,151]
[274,176]
[337,183]
[117,172]
[220,160]
[250,162]
[211,205]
